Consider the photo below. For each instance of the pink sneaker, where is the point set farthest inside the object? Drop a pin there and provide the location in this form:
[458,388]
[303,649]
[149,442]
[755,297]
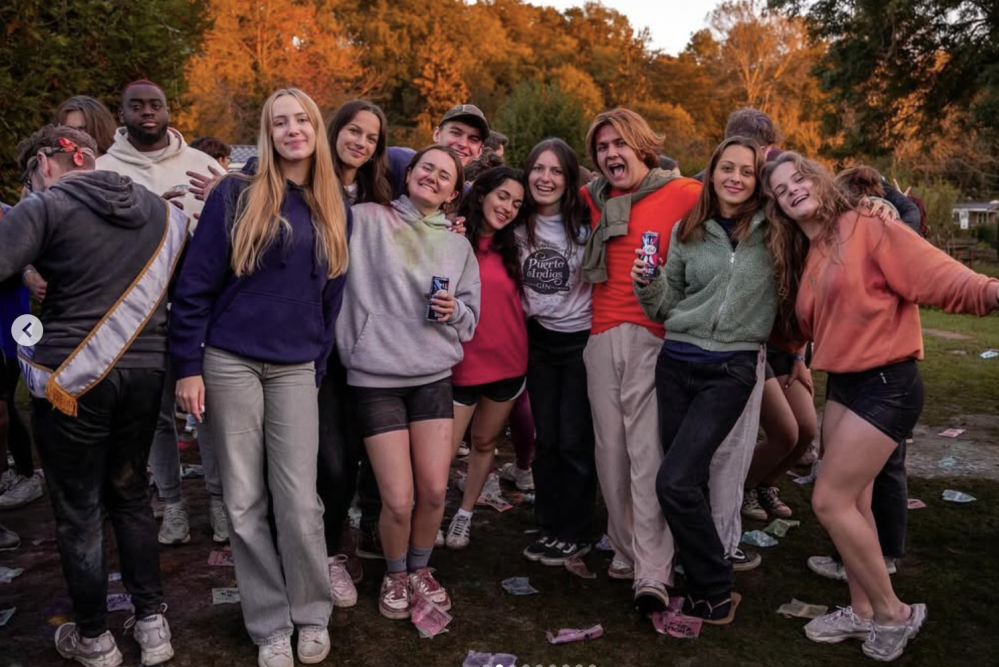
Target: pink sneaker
[395,598]
[422,581]
[341,583]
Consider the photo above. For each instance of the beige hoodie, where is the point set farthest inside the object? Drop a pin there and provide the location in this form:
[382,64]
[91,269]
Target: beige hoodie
[165,172]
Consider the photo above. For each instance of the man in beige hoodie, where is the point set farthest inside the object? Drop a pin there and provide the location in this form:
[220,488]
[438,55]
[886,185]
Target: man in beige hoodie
[155,155]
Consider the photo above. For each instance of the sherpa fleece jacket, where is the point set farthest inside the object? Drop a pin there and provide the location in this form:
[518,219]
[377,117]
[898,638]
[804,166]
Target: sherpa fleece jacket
[712,296]
[383,335]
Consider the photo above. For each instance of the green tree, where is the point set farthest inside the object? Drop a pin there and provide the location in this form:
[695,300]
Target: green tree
[534,111]
[50,51]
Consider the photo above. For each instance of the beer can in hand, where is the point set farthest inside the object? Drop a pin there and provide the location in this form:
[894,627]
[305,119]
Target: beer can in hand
[437,283]
[650,254]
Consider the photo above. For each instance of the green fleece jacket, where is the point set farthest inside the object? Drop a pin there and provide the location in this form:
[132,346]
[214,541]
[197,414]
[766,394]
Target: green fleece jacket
[712,296]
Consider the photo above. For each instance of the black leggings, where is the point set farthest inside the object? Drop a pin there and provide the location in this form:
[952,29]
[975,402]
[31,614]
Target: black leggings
[18,440]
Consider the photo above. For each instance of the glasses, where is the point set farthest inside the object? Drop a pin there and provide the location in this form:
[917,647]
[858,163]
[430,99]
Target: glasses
[29,171]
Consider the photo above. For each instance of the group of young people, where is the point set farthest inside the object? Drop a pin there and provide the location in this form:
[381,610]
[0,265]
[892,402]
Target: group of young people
[345,311]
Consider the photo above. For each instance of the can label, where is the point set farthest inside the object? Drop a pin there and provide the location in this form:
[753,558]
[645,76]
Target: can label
[437,283]
[650,254]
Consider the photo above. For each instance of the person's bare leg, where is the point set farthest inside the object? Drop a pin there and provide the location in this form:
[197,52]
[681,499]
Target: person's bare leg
[489,420]
[778,422]
[462,418]
[854,453]
[802,405]
[389,454]
[858,596]
[431,443]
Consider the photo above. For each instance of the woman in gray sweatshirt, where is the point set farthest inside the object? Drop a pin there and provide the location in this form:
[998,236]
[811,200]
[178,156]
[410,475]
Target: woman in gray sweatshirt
[398,342]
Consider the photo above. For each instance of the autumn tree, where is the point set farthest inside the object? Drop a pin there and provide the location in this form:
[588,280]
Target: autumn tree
[439,84]
[254,48]
[536,110]
[50,51]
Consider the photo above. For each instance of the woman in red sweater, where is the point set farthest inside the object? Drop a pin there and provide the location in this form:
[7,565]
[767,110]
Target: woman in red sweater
[493,373]
[857,299]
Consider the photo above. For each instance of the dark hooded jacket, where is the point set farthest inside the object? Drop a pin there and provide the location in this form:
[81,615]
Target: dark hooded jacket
[89,236]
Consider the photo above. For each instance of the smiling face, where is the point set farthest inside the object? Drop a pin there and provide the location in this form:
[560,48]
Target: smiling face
[462,138]
[357,140]
[145,115]
[501,205]
[292,132]
[546,179]
[617,161]
[432,182]
[794,193]
[734,178]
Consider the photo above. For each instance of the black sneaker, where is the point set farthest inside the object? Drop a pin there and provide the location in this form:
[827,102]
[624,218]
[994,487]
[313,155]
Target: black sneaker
[560,552]
[537,549]
[744,560]
[370,546]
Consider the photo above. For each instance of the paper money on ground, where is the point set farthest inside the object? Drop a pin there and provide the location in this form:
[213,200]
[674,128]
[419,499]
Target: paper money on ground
[677,625]
[518,586]
[578,568]
[225,596]
[571,635]
[9,574]
[757,538]
[952,496]
[799,609]
[496,502]
[779,527]
[915,504]
[120,602]
[428,618]
[221,559]
[5,615]
[476,659]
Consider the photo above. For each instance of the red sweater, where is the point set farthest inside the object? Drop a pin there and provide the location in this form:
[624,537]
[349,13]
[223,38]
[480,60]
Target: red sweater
[498,350]
[860,302]
[614,301]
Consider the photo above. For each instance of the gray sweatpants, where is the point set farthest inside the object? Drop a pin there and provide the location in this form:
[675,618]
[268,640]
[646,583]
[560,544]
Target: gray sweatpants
[264,419]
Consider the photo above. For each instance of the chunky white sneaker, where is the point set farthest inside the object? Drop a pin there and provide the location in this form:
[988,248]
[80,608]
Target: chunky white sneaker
[523,479]
[621,568]
[459,533]
[276,654]
[153,635]
[439,540]
[341,583]
[220,522]
[886,642]
[175,528]
[313,645]
[839,625]
[395,597]
[23,490]
[828,567]
[7,478]
[97,652]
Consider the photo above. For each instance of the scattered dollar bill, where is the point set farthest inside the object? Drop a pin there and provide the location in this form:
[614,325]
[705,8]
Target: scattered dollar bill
[799,609]
[952,496]
[193,470]
[578,568]
[496,502]
[605,544]
[757,538]
[225,596]
[221,559]
[120,602]
[677,625]
[428,617]
[113,577]
[571,635]
[9,574]
[476,659]
[5,615]
[518,586]
[779,527]
[951,433]
[989,354]
[915,504]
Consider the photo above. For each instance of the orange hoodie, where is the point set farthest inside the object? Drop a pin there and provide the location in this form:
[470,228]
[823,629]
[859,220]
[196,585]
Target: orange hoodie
[859,302]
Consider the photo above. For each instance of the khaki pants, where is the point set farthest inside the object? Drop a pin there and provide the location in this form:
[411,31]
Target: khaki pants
[620,373]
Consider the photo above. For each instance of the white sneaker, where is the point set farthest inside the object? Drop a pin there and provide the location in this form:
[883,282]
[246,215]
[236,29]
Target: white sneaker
[439,539]
[175,528]
[313,645]
[839,625]
[341,583]
[22,490]
[7,478]
[828,567]
[220,522]
[153,635]
[97,652]
[523,479]
[886,642]
[459,533]
[276,654]
[463,450]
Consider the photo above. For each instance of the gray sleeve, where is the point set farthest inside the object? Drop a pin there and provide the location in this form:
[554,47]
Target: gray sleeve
[467,299]
[668,287]
[23,235]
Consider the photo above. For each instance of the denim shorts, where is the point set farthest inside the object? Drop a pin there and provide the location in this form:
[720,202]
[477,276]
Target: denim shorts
[385,409]
[890,398]
[779,362]
[500,391]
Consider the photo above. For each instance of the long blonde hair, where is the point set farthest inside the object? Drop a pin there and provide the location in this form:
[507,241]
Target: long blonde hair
[259,219]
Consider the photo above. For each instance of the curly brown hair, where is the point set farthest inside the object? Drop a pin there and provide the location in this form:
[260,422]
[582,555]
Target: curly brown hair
[46,141]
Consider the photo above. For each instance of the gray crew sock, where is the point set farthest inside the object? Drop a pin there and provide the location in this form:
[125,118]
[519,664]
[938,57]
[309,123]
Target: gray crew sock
[395,565]
[418,557]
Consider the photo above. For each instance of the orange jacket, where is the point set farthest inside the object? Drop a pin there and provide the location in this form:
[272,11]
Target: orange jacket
[859,297]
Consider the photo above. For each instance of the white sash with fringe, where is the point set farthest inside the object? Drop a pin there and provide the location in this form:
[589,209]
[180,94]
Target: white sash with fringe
[97,354]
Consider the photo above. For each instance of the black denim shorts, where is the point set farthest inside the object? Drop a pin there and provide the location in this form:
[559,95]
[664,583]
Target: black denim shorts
[779,362]
[890,398]
[384,409]
[500,391]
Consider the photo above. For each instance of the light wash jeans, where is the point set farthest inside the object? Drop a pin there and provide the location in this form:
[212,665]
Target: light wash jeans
[264,419]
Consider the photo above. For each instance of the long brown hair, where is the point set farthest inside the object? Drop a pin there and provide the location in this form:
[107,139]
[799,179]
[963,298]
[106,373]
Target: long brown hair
[789,244]
[691,228]
[373,176]
[575,214]
[635,131]
[260,219]
[98,121]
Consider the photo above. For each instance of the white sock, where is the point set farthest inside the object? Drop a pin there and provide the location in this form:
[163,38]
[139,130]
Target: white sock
[466,513]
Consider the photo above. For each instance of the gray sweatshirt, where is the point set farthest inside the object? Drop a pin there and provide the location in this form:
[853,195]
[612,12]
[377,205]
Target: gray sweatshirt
[383,335]
[89,236]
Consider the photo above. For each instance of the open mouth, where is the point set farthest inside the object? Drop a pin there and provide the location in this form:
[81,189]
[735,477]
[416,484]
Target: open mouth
[544,189]
[797,200]
[502,218]
[429,187]
[616,170]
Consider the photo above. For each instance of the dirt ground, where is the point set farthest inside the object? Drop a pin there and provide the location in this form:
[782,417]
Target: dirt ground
[951,565]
